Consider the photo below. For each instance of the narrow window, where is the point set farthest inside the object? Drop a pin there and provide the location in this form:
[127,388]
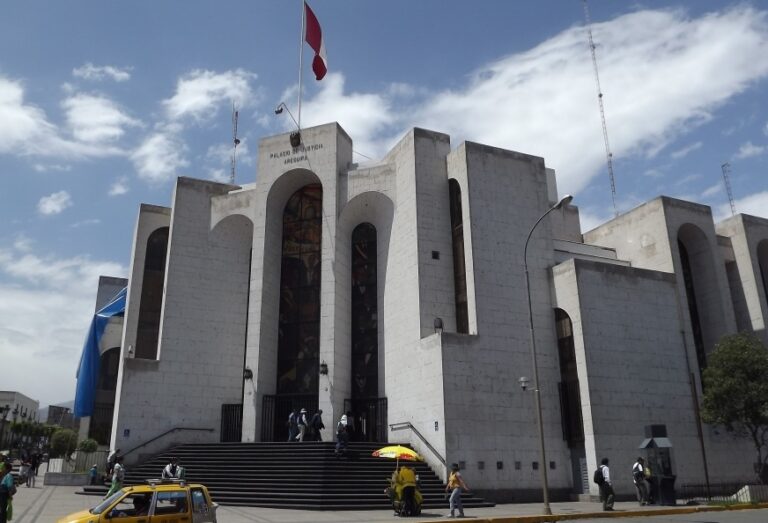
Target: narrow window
[148,328]
[365,324]
[459,268]
[570,397]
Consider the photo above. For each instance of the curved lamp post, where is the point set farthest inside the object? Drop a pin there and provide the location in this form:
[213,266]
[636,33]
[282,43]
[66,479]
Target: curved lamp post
[544,482]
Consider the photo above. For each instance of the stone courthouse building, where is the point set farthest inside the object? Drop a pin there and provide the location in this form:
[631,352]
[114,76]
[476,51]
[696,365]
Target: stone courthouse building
[397,291]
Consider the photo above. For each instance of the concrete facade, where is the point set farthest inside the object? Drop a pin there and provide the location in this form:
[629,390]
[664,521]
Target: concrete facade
[451,334]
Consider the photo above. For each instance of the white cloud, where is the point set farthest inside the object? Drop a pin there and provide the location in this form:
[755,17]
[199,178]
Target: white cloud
[83,223]
[119,187]
[23,243]
[682,153]
[765,129]
[46,304]
[365,116]
[688,179]
[43,168]
[711,191]
[199,94]
[96,119]
[159,157]
[218,175]
[92,72]
[748,150]
[542,101]
[25,129]
[754,204]
[54,203]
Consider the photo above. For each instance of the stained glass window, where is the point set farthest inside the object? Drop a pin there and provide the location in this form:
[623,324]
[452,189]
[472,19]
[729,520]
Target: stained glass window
[298,350]
[365,325]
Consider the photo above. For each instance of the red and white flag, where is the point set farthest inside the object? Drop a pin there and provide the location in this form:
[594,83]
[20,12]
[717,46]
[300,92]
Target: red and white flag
[314,37]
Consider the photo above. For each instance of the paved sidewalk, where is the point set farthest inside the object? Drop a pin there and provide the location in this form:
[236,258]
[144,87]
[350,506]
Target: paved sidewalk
[48,504]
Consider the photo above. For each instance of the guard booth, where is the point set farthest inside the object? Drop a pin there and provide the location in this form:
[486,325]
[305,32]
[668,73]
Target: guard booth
[658,457]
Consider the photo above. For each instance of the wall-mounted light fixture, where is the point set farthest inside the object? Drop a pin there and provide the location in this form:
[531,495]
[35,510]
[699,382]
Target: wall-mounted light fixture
[323,369]
[524,383]
[247,373]
[438,325]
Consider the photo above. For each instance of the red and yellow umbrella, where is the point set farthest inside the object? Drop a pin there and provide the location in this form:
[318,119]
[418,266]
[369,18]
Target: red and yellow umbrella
[397,452]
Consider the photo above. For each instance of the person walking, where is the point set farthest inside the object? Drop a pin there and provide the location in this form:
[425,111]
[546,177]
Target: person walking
[7,491]
[638,476]
[455,486]
[31,476]
[293,427]
[111,460]
[606,487]
[317,425]
[118,473]
[302,423]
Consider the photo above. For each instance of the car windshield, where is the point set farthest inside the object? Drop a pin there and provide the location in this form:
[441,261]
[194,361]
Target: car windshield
[104,505]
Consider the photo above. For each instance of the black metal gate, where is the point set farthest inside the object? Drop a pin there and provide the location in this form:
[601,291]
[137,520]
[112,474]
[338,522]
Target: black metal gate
[231,422]
[275,411]
[369,418]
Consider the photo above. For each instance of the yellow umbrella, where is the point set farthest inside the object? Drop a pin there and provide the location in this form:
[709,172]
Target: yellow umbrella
[397,452]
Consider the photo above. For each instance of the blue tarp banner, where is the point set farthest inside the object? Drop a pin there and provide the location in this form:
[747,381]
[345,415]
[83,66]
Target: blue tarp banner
[90,359]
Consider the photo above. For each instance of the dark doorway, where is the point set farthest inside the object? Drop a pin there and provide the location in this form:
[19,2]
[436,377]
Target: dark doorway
[231,422]
[369,418]
[275,411]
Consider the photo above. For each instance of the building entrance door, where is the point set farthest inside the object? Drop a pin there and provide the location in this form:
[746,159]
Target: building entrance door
[369,419]
[277,408]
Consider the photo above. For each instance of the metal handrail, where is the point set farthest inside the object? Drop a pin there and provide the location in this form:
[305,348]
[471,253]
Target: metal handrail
[408,425]
[164,434]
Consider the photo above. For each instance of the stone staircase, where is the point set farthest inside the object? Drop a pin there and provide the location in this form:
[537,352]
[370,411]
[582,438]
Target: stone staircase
[292,475]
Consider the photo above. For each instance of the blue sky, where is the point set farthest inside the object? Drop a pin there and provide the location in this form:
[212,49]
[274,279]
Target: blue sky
[103,104]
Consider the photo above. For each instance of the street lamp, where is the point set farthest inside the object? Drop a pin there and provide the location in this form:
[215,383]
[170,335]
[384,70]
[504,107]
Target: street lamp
[544,483]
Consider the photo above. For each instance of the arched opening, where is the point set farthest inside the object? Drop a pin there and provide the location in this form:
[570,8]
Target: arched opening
[299,320]
[364,305]
[459,263]
[150,307]
[702,295]
[570,399]
[104,400]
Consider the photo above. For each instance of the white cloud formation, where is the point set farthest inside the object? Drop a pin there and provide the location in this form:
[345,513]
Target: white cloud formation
[682,153]
[712,190]
[119,187]
[83,223]
[199,94]
[159,157]
[749,150]
[754,204]
[96,119]
[46,304]
[543,101]
[364,116]
[54,203]
[43,168]
[92,72]
[26,131]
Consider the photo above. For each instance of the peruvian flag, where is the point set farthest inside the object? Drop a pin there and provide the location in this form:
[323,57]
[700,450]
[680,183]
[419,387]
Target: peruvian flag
[314,37]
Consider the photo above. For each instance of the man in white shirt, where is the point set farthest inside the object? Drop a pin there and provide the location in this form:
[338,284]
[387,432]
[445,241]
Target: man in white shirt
[606,487]
[638,476]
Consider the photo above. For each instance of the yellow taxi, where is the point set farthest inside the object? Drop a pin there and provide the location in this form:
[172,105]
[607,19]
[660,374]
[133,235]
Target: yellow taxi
[157,502]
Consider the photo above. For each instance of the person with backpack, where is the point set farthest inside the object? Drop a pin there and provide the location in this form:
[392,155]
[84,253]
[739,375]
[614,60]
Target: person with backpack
[293,426]
[7,491]
[603,479]
[638,476]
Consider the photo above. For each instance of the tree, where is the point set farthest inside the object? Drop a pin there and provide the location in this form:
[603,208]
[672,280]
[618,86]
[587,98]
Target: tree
[63,443]
[88,445]
[736,392]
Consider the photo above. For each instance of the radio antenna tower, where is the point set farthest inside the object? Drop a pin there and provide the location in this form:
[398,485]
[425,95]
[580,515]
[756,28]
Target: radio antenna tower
[726,167]
[235,143]
[608,153]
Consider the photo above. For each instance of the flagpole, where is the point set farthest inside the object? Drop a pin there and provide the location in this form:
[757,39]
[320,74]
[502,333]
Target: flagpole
[301,56]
